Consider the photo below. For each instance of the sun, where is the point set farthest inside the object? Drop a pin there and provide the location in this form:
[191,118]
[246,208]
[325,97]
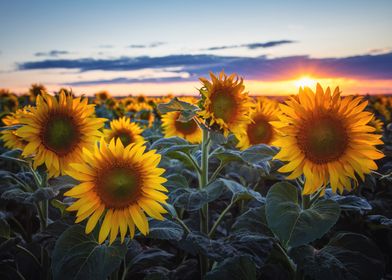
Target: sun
[305,81]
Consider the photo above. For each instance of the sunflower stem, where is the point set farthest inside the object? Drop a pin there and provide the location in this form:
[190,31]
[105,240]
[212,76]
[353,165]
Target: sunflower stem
[216,172]
[219,220]
[203,182]
[290,262]
[181,222]
[42,206]
[194,163]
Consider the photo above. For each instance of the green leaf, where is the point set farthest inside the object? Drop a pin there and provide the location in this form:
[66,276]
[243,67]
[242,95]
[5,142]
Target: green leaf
[198,244]
[349,202]
[16,194]
[293,225]
[173,144]
[192,199]
[149,258]
[188,111]
[165,230]
[239,267]
[253,221]
[347,256]
[176,181]
[217,137]
[171,210]
[240,192]
[62,182]
[59,205]
[29,198]
[379,221]
[41,194]
[226,155]
[258,153]
[79,256]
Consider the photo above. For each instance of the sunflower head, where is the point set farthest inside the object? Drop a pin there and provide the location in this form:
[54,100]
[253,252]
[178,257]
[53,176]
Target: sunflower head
[8,101]
[101,97]
[35,90]
[259,130]
[142,112]
[224,103]
[121,185]
[10,138]
[189,130]
[327,138]
[377,124]
[57,130]
[124,130]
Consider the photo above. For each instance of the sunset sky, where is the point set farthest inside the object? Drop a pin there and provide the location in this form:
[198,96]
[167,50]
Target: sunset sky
[159,47]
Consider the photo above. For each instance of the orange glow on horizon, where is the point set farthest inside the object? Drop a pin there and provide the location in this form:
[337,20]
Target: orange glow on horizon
[306,81]
[254,87]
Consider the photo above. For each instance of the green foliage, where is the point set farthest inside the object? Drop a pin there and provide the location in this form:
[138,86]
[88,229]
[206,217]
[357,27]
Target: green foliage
[239,267]
[188,111]
[260,228]
[165,230]
[347,256]
[79,256]
[293,225]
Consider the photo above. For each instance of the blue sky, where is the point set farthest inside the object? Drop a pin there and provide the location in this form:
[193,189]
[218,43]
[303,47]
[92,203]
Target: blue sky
[348,41]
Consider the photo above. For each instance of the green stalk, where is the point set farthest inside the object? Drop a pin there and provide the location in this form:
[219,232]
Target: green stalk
[218,221]
[203,182]
[217,171]
[290,262]
[42,206]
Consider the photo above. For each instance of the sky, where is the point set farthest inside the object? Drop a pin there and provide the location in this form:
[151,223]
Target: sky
[159,47]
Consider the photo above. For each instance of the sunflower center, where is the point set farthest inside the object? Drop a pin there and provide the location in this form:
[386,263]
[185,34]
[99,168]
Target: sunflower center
[60,134]
[125,136]
[118,186]
[186,127]
[145,115]
[223,105]
[323,140]
[259,132]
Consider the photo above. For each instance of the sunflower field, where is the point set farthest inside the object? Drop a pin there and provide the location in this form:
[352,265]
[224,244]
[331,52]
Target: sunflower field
[220,185]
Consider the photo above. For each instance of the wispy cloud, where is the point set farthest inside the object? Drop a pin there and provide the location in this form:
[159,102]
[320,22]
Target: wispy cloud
[141,46]
[52,53]
[253,68]
[106,46]
[124,80]
[253,46]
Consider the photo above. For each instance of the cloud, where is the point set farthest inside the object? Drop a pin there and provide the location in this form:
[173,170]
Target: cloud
[152,45]
[106,46]
[123,80]
[253,68]
[253,46]
[380,51]
[52,53]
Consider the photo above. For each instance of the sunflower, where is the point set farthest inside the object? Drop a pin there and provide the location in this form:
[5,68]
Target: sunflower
[224,102]
[377,124]
[259,130]
[327,138]
[119,184]
[101,97]
[8,101]
[125,130]
[57,130]
[142,112]
[10,138]
[188,130]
